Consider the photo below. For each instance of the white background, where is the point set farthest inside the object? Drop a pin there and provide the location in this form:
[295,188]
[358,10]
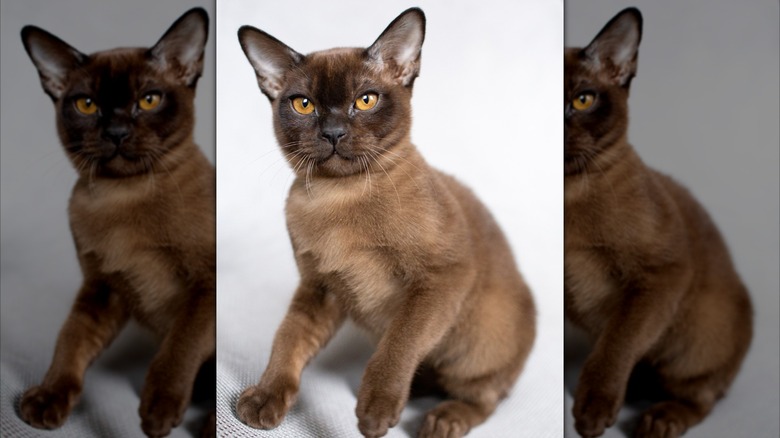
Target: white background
[704,109]
[486,109]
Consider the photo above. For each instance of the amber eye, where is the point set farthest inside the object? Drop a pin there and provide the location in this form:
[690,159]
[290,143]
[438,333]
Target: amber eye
[366,101]
[150,101]
[85,105]
[303,105]
[583,101]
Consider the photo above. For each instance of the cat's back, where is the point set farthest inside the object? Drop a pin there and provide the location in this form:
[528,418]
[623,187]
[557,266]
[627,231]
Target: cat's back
[707,247]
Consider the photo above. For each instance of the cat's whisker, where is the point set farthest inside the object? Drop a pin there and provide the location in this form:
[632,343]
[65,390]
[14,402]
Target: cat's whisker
[276,162]
[90,178]
[375,156]
[592,157]
[379,153]
[365,183]
[148,169]
[287,157]
[156,155]
[307,182]
[368,172]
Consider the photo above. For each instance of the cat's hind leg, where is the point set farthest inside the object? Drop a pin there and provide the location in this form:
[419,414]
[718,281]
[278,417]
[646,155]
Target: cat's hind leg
[471,402]
[454,418]
[688,403]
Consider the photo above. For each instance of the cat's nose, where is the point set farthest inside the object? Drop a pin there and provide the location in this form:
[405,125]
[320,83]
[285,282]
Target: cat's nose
[333,135]
[117,133]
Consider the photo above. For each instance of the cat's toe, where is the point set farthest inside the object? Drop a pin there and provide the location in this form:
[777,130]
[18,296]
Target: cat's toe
[442,424]
[46,408]
[160,413]
[662,421]
[594,411]
[377,412]
[265,408]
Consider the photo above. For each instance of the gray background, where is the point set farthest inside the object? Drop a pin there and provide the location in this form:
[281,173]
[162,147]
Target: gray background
[704,108]
[486,109]
[40,274]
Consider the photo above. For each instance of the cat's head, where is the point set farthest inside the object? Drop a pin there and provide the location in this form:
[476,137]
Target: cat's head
[596,84]
[120,111]
[336,110]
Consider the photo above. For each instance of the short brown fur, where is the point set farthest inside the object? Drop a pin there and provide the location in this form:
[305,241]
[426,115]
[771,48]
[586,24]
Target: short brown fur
[143,222]
[647,273]
[404,250]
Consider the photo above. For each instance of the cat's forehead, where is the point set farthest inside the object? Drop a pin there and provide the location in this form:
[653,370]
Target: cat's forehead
[118,59]
[122,65]
[333,76]
[579,69]
[333,63]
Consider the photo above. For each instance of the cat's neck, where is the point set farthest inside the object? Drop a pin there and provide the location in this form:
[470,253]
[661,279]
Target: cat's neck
[619,163]
[602,162]
[164,173]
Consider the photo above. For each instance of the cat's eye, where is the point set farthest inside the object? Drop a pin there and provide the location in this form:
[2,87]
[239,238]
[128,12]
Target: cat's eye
[149,101]
[86,105]
[583,101]
[303,105]
[366,101]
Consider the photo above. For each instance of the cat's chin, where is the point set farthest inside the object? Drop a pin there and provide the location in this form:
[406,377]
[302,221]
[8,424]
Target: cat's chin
[117,166]
[338,165]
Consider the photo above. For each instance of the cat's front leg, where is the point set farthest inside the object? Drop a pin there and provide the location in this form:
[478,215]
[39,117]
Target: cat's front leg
[426,316]
[643,316]
[169,382]
[312,319]
[93,322]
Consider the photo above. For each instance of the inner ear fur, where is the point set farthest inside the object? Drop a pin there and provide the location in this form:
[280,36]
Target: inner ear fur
[181,48]
[398,48]
[615,49]
[269,57]
[53,58]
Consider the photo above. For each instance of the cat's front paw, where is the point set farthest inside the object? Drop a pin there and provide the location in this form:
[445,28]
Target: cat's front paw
[160,412]
[594,411]
[377,410]
[47,407]
[264,406]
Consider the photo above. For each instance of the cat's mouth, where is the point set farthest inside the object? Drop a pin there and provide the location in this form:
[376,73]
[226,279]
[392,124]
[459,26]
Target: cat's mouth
[337,163]
[341,155]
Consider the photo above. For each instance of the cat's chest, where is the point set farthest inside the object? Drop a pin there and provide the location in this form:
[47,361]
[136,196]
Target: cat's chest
[359,247]
[127,236]
[591,289]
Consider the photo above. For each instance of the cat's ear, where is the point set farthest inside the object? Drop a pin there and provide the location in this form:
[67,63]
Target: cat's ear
[269,57]
[614,50]
[180,50]
[53,58]
[399,46]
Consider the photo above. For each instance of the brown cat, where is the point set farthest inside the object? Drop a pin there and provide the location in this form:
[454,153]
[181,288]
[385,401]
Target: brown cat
[142,215]
[646,272]
[381,237]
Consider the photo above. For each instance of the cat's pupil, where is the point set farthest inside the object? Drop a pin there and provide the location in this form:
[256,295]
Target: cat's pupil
[365,98]
[305,103]
[88,102]
[582,98]
[149,98]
